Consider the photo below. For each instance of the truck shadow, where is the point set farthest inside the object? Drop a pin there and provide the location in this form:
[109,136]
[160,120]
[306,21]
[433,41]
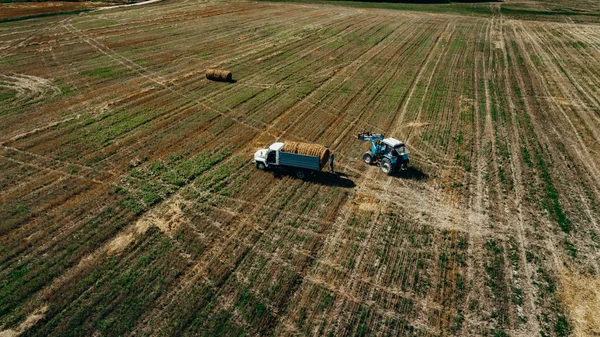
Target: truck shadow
[411,173]
[322,178]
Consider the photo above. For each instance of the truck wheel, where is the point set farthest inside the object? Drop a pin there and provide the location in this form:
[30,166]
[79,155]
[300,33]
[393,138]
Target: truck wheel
[368,157]
[386,166]
[261,166]
[300,174]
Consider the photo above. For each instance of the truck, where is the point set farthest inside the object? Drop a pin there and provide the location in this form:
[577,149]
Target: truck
[276,158]
[389,154]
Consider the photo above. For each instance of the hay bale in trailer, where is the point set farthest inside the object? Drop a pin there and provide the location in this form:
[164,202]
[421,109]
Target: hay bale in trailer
[308,150]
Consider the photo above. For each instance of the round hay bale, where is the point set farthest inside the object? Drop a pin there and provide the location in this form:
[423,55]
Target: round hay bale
[308,150]
[219,75]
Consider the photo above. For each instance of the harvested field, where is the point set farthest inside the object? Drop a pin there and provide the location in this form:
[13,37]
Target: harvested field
[17,10]
[128,205]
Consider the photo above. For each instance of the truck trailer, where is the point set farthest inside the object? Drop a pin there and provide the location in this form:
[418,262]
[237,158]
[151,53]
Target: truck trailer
[300,159]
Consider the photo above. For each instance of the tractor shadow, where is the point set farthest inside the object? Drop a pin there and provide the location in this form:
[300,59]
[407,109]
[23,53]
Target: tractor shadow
[321,178]
[411,173]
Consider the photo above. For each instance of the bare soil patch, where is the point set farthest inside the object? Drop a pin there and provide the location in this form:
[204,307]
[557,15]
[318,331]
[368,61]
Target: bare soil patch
[581,295]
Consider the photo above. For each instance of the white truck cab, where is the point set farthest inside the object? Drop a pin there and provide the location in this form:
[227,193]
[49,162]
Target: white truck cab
[274,158]
[265,157]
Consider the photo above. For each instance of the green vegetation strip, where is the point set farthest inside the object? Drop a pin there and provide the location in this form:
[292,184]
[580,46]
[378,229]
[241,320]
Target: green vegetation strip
[5,96]
[551,202]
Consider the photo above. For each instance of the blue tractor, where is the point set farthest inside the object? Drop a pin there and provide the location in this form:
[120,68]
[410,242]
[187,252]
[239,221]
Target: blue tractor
[388,153]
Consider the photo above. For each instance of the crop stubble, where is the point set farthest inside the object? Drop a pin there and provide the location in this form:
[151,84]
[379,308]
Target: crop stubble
[501,117]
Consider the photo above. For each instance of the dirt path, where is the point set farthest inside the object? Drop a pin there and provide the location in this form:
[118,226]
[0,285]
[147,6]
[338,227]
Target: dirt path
[529,309]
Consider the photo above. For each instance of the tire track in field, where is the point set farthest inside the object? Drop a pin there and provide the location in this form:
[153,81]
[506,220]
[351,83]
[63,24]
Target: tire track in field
[587,160]
[504,126]
[160,83]
[151,76]
[488,127]
[341,221]
[493,131]
[355,64]
[259,135]
[546,239]
[359,117]
[345,213]
[454,122]
[474,219]
[542,133]
[406,100]
[209,124]
[443,55]
[530,309]
[581,86]
[23,43]
[273,190]
[478,195]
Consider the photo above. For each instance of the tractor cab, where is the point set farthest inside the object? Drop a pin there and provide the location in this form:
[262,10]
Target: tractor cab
[395,148]
[388,153]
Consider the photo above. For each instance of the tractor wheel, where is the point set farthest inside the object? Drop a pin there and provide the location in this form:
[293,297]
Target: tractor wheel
[300,174]
[368,157]
[386,166]
[261,166]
